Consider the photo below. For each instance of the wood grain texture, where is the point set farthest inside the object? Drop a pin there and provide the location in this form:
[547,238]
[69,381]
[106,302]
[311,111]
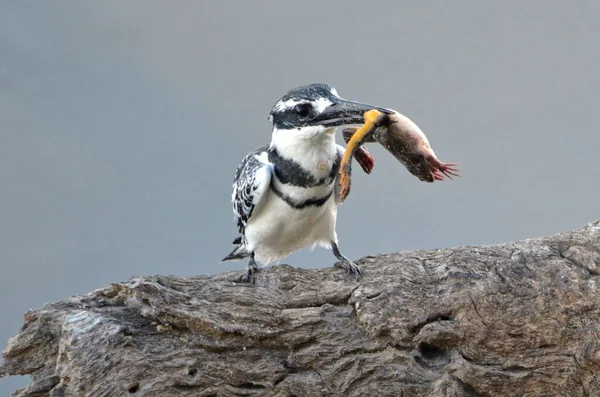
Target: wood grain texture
[517,319]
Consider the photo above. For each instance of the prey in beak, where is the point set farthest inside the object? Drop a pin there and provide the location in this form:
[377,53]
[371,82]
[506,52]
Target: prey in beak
[403,139]
[344,112]
[307,112]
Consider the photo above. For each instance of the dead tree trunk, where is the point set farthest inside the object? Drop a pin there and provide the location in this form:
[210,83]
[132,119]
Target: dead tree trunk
[517,319]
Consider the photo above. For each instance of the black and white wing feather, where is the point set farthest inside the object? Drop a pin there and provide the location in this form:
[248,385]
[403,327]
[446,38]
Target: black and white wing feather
[251,185]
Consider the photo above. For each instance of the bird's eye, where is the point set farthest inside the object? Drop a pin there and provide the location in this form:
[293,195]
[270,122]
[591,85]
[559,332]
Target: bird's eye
[303,109]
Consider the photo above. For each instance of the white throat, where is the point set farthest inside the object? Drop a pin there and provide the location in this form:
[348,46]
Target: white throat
[307,145]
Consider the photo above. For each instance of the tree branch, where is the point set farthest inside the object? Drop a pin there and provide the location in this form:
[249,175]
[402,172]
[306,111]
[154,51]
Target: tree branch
[513,319]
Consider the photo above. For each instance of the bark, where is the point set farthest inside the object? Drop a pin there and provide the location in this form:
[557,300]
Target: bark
[516,319]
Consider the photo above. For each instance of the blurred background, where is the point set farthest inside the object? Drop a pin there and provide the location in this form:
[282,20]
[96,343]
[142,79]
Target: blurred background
[122,124]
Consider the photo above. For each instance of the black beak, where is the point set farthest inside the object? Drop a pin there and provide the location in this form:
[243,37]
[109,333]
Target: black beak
[343,112]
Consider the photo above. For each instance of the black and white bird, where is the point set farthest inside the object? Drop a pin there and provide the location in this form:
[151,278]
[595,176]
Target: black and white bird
[285,194]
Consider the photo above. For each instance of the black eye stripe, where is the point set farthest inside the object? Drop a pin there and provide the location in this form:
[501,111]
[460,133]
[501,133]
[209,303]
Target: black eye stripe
[303,109]
[297,111]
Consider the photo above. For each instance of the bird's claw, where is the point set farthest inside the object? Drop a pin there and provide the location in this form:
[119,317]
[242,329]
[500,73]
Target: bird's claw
[248,277]
[351,268]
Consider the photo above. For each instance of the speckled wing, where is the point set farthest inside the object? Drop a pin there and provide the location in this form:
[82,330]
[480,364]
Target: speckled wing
[251,186]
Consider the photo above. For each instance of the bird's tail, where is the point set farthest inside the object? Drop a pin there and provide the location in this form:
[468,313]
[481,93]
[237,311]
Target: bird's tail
[240,252]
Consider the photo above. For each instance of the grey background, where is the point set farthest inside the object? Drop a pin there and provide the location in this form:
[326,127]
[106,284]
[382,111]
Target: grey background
[122,123]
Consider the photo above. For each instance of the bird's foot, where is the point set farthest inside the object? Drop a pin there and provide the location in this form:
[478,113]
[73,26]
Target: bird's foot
[249,276]
[351,268]
[448,169]
[345,263]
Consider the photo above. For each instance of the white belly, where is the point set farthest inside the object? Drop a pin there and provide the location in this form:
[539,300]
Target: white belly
[277,229]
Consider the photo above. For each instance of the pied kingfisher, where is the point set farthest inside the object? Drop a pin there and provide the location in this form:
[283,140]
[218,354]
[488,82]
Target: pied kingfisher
[286,194]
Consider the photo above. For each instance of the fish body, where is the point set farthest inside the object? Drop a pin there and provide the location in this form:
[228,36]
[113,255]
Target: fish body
[400,136]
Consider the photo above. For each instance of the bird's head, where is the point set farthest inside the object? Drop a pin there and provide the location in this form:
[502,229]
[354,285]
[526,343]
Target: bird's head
[314,110]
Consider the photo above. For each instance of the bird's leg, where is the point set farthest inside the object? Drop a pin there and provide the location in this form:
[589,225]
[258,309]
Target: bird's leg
[251,268]
[373,119]
[344,262]
[362,155]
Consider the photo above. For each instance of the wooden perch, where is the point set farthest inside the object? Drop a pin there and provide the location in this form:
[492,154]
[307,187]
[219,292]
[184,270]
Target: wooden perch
[516,319]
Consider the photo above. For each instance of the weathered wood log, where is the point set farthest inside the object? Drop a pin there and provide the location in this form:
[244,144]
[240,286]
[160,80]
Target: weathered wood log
[516,319]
